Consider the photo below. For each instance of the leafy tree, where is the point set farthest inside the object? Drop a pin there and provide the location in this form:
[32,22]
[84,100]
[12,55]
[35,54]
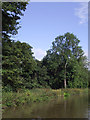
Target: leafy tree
[41,73]
[63,60]
[18,66]
[11,14]
[63,66]
[77,74]
[51,62]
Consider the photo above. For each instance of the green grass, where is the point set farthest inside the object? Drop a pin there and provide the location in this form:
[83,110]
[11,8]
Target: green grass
[14,99]
[28,96]
[74,91]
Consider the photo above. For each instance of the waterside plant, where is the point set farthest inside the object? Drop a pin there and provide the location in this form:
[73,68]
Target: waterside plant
[13,99]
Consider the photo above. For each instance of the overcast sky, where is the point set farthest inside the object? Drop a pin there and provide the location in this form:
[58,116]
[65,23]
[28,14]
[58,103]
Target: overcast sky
[44,21]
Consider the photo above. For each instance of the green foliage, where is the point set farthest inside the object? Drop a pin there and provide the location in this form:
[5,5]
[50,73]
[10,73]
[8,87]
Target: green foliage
[11,14]
[21,70]
[22,74]
[66,94]
[28,96]
[8,88]
[74,91]
[18,65]
[42,75]
[36,95]
[64,62]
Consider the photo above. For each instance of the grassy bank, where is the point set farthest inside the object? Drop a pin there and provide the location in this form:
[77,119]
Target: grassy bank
[26,96]
[36,95]
[69,91]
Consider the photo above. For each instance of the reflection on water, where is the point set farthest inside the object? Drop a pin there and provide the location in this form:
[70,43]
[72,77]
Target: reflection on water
[72,107]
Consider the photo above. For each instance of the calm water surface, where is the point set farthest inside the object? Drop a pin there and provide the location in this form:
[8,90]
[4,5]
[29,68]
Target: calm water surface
[71,107]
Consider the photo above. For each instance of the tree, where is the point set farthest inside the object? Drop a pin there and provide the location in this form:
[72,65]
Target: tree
[18,66]
[42,75]
[77,73]
[65,51]
[50,61]
[11,14]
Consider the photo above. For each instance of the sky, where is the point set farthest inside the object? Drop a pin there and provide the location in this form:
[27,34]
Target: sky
[44,21]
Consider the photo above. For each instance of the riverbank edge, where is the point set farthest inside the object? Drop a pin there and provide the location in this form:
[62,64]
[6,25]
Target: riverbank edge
[13,99]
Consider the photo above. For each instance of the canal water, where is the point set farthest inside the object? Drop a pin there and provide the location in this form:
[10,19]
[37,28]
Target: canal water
[70,107]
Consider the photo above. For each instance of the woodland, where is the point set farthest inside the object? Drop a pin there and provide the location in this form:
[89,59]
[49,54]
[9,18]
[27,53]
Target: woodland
[64,66]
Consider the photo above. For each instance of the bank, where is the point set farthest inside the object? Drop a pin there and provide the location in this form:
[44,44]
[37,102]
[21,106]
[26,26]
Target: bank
[13,99]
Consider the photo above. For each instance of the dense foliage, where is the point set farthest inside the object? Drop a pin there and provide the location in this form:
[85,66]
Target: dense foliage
[63,66]
[11,14]
[66,63]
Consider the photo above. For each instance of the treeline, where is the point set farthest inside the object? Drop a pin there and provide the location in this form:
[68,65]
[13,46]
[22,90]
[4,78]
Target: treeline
[61,64]
[64,65]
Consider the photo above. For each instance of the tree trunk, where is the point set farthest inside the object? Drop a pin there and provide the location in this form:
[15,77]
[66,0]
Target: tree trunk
[65,85]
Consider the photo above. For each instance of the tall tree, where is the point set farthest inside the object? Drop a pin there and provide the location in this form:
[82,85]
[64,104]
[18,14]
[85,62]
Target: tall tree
[18,66]
[11,14]
[65,49]
[42,75]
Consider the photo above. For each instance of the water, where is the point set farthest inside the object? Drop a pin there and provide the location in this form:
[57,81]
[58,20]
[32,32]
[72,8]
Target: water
[71,107]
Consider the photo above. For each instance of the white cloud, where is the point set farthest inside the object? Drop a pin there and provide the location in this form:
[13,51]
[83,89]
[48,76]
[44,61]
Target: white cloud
[86,53]
[82,12]
[39,53]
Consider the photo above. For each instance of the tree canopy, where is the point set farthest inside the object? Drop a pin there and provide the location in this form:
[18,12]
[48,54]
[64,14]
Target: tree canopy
[11,14]
[65,62]
[64,65]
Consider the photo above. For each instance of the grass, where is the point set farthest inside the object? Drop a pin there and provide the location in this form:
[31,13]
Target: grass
[74,91]
[28,96]
[14,99]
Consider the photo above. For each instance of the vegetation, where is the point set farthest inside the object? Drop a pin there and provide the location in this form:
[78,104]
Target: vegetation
[36,95]
[21,70]
[66,63]
[11,14]
[27,96]
[64,66]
